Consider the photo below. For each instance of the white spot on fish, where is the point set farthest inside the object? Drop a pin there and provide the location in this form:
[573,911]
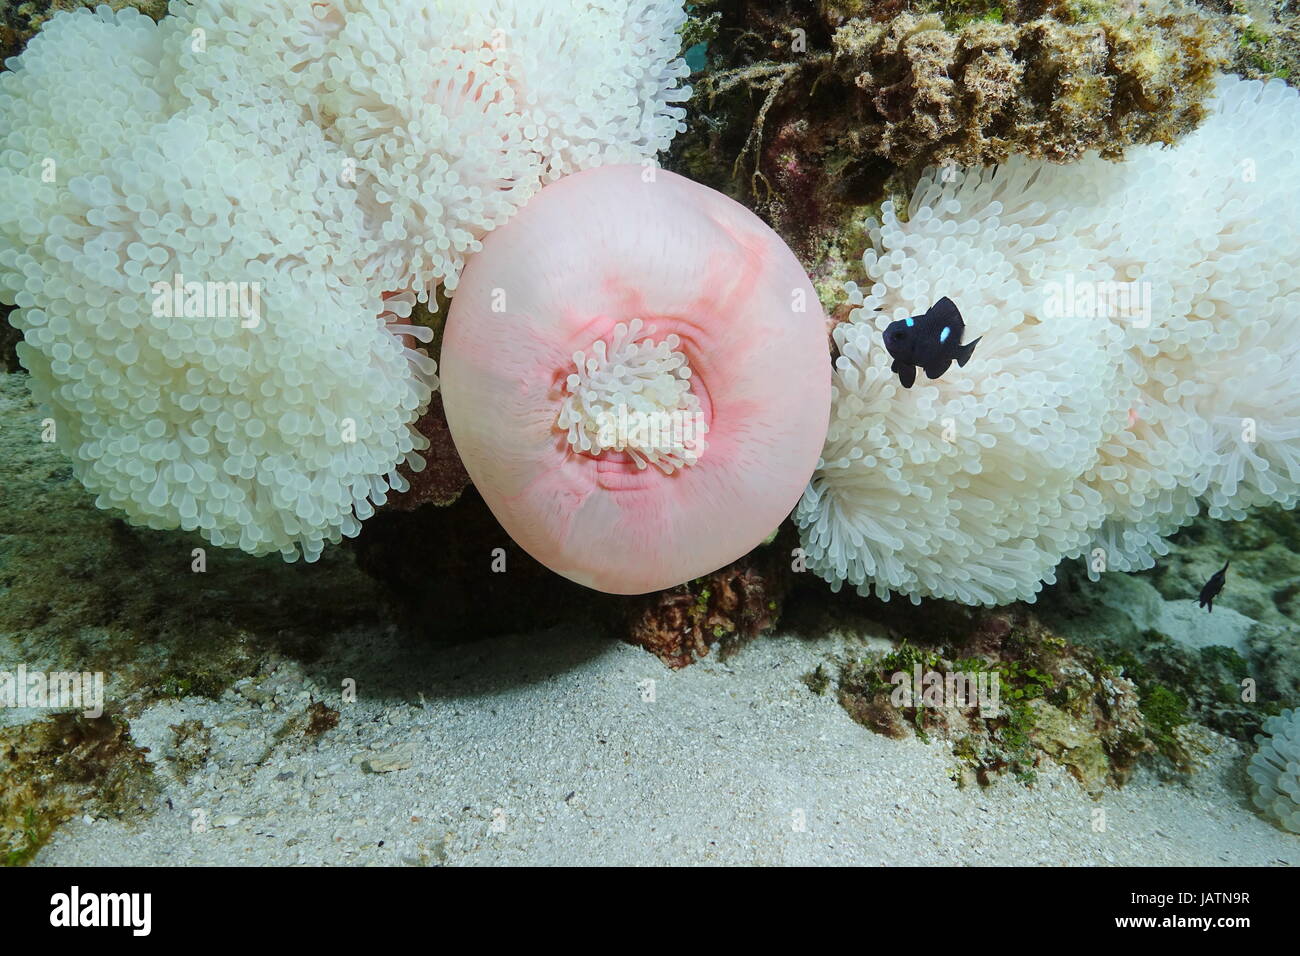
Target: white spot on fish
[943,336]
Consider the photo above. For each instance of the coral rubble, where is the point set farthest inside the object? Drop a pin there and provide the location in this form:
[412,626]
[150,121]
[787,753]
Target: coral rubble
[727,608]
[1054,700]
[55,767]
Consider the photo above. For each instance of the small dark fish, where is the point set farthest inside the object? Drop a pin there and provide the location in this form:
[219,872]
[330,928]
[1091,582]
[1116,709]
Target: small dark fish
[931,341]
[1213,587]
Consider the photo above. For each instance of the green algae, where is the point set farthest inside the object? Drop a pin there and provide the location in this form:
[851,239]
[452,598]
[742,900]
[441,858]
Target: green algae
[1165,710]
[1267,39]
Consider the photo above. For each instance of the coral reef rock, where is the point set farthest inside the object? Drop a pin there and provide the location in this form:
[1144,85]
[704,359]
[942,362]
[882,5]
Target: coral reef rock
[975,92]
[443,477]
[1040,697]
[805,108]
[727,607]
[63,765]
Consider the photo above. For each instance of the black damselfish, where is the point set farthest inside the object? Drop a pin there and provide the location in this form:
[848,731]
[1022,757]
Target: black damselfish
[931,341]
[1213,587]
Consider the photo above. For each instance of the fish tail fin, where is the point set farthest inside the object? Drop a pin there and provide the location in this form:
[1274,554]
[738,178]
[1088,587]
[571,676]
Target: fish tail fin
[964,352]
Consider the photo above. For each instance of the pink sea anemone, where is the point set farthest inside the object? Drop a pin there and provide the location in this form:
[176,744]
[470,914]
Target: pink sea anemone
[636,374]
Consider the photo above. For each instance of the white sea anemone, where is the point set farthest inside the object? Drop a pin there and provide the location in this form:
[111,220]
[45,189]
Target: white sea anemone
[619,105]
[449,114]
[1275,768]
[205,365]
[215,227]
[1096,416]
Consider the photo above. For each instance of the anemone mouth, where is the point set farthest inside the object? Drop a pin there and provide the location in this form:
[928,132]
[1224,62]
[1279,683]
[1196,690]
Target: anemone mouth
[618,471]
[629,402]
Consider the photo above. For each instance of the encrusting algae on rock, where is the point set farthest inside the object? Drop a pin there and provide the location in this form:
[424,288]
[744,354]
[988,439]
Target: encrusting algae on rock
[55,767]
[920,83]
[816,113]
[725,609]
[1052,82]
[1025,695]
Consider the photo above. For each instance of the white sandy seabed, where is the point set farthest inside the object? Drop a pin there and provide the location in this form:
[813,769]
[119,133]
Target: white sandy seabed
[547,749]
